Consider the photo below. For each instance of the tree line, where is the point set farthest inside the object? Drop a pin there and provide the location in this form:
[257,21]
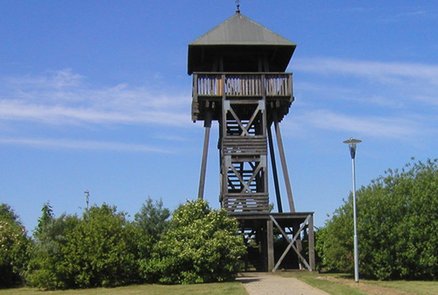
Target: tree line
[397,229]
[102,248]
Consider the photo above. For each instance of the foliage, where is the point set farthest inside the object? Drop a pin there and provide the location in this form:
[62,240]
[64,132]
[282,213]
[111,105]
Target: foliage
[6,212]
[397,226]
[201,245]
[50,237]
[97,251]
[153,218]
[148,226]
[100,249]
[44,221]
[103,249]
[13,247]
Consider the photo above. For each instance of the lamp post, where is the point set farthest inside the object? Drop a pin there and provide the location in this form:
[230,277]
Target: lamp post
[352,143]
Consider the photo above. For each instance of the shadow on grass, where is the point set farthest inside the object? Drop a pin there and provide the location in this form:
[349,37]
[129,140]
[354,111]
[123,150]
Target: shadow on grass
[244,280]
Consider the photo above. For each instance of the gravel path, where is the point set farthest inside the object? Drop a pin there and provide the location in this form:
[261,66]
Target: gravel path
[267,284]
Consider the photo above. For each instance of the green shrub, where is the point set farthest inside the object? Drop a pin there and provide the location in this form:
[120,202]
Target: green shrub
[97,252]
[201,245]
[397,227]
[13,248]
[148,226]
[45,269]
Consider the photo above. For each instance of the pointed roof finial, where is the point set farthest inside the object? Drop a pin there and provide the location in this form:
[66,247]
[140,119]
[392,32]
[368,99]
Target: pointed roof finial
[237,6]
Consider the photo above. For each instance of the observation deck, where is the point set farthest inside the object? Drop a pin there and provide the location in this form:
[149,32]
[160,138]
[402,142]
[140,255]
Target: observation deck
[209,89]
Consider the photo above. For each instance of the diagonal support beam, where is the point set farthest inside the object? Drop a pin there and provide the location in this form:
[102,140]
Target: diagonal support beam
[246,184]
[254,174]
[284,165]
[245,128]
[274,170]
[254,115]
[233,113]
[239,176]
[291,243]
[207,125]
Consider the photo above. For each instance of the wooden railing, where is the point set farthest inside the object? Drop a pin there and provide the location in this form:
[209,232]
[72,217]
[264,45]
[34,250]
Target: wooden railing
[242,84]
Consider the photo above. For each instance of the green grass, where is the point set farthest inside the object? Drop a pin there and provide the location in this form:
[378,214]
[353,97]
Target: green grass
[331,283]
[410,287]
[323,283]
[233,288]
[341,284]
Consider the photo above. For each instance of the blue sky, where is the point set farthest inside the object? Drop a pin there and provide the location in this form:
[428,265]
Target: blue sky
[94,95]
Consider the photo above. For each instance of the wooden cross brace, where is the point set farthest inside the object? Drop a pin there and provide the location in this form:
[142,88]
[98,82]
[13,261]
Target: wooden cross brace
[246,184]
[245,129]
[291,243]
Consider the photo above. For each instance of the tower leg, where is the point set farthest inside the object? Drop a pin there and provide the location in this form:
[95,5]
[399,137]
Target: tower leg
[283,165]
[311,238]
[274,170]
[270,244]
[207,125]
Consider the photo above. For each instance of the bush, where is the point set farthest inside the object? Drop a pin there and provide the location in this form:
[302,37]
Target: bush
[152,219]
[397,227]
[45,269]
[97,252]
[104,249]
[201,245]
[13,248]
[149,225]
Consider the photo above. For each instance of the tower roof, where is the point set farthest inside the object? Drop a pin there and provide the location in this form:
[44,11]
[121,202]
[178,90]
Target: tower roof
[240,30]
[241,33]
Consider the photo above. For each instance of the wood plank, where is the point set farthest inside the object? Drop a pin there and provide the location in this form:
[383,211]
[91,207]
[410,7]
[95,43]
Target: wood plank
[207,124]
[270,244]
[284,166]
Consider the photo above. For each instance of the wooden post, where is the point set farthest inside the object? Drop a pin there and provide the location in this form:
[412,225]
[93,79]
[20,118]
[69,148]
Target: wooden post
[311,237]
[298,242]
[274,170]
[207,125]
[284,165]
[270,244]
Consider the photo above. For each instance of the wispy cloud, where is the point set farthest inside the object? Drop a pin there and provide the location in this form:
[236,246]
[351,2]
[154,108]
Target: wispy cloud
[367,125]
[65,97]
[69,101]
[378,99]
[83,145]
[412,14]
[384,72]
[62,114]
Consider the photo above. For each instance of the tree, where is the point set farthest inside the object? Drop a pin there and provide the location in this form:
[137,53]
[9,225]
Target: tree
[44,221]
[92,251]
[45,269]
[100,249]
[6,212]
[149,225]
[97,251]
[14,244]
[152,218]
[201,245]
[397,226]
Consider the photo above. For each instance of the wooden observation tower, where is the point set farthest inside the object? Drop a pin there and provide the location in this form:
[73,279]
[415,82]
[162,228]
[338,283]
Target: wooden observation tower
[239,80]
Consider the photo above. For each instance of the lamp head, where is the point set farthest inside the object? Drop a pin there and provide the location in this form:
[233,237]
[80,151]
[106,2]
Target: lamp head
[352,143]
